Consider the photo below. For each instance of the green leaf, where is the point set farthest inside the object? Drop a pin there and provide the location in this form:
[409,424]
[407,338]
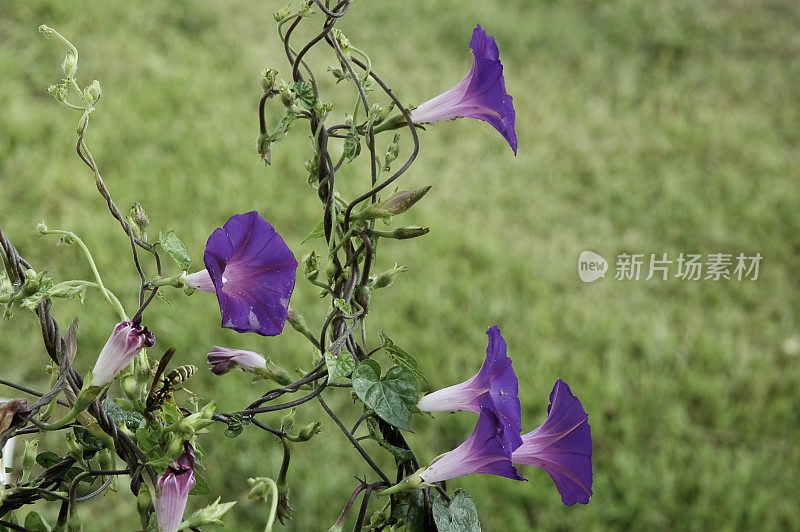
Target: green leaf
[317,232]
[339,365]
[402,455]
[87,440]
[201,488]
[460,516]
[122,416]
[173,245]
[305,92]
[36,523]
[401,357]
[411,510]
[47,459]
[393,397]
[352,145]
[234,426]
[283,126]
[148,438]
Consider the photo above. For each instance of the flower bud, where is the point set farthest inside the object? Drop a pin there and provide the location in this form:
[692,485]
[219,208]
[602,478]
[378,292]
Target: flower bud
[412,231]
[281,14]
[95,91]
[70,65]
[287,421]
[268,78]
[344,42]
[46,31]
[398,203]
[310,263]
[210,515]
[125,341]
[173,490]
[139,217]
[29,458]
[286,92]
[309,431]
[384,279]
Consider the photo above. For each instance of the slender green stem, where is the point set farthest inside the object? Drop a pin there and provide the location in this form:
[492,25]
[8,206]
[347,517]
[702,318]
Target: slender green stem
[110,297]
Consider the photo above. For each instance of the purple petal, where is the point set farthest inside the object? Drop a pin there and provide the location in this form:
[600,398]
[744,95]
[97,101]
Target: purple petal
[120,349]
[481,94]
[253,272]
[223,359]
[562,446]
[200,281]
[498,370]
[485,451]
[494,388]
[173,490]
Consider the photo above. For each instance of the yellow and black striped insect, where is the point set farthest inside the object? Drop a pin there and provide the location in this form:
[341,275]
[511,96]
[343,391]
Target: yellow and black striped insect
[168,383]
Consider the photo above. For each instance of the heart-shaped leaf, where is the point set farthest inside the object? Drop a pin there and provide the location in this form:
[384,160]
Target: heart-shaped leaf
[400,356]
[460,516]
[392,397]
[173,245]
[339,365]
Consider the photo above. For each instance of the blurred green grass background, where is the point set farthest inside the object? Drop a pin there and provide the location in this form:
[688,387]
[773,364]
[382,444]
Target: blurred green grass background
[643,127]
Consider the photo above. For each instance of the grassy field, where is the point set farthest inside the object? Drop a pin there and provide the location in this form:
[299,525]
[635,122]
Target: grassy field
[643,128]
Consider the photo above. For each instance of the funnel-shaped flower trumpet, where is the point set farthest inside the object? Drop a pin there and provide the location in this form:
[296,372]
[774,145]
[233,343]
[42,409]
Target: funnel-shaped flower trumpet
[125,341]
[562,446]
[173,490]
[252,271]
[494,387]
[481,94]
[224,359]
[485,451]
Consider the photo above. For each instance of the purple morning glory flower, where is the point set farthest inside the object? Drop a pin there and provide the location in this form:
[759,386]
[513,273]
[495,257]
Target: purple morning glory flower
[173,490]
[485,451]
[494,387]
[125,341]
[224,359]
[562,446]
[252,270]
[481,94]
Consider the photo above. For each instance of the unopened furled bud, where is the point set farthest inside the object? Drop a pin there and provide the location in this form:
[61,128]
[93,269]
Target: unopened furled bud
[268,78]
[362,296]
[287,421]
[412,231]
[143,503]
[281,14]
[59,92]
[392,151]
[210,515]
[309,431]
[344,42]
[196,422]
[126,340]
[29,458]
[46,31]
[384,279]
[95,91]
[310,264]
[398,203]
[286,92]
[402,200]
[138,216]
[70,65]
[129,386]
[305,10]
